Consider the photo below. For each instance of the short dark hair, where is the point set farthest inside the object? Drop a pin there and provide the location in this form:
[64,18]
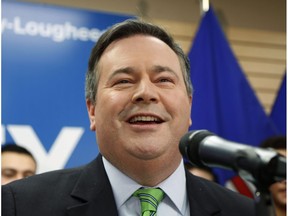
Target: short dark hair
[127,29]
[276,142]
[11,147]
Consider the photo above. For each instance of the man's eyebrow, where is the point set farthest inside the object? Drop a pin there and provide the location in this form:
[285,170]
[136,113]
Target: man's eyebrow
[124,70]
[160,68]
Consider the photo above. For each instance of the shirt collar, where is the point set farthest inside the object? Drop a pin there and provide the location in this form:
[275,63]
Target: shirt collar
[176,192]
[123,186]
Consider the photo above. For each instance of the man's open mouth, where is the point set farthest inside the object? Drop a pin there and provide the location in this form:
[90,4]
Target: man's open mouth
[145,120]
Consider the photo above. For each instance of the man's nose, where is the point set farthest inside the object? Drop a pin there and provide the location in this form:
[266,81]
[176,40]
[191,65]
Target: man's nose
[19,176]
[145,92]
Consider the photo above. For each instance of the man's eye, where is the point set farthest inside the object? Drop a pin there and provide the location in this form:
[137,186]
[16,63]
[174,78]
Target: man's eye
[165,80]
[28,173]
[9,173]
[124,81]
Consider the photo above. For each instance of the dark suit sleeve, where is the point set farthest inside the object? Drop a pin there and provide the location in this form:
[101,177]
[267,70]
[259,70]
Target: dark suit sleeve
[8,207]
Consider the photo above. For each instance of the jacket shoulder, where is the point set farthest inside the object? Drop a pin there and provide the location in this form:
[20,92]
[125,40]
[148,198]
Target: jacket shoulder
[216,196]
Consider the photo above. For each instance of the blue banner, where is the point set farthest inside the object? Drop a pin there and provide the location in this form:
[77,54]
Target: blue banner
[45,51]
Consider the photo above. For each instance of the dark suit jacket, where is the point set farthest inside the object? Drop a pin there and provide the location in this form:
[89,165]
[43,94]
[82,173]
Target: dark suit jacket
[86,191]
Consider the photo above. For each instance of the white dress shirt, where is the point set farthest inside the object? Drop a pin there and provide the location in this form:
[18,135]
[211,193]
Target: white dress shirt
[174,203]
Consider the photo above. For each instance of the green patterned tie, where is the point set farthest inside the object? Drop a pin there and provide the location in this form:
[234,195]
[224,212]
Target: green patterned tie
[149,199]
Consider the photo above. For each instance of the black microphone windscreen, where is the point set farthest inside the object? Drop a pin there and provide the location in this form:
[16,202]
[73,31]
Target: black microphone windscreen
[190,143]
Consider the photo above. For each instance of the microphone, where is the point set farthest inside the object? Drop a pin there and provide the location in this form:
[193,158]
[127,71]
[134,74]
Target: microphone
[203,148]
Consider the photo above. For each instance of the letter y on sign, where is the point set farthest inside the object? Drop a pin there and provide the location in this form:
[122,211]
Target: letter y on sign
[58,154]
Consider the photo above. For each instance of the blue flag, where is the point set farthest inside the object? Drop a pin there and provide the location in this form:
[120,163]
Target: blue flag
[223,101]
[278,113]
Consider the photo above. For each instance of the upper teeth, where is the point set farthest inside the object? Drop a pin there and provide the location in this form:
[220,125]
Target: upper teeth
[144,118]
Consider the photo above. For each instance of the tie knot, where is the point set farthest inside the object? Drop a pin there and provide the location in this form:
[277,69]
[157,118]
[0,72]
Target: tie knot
[149,199]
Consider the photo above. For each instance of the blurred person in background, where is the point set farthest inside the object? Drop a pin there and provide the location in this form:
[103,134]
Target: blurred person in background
[16,163]
[278,189]
[204,172]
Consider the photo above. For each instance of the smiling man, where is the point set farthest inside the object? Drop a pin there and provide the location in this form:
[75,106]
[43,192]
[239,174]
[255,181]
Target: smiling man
[139,97]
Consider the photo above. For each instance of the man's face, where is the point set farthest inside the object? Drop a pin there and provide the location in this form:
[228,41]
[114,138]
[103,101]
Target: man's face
[16,166]
[278,189]
[142,107]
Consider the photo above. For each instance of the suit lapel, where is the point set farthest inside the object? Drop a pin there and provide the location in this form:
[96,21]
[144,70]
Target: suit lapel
[201,201]
[94,192]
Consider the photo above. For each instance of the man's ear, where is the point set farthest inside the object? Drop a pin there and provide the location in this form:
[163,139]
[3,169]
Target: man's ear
[91,114]
[190,99]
